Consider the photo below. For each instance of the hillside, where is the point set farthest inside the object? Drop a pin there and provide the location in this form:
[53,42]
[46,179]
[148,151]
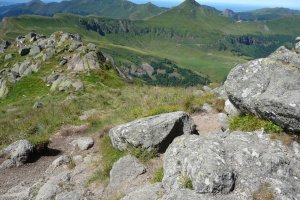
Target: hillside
[107,8]
[191,36]
[262,14]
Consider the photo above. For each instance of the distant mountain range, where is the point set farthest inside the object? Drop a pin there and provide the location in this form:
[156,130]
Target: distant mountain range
[261,14]
[124,9]
[107,8]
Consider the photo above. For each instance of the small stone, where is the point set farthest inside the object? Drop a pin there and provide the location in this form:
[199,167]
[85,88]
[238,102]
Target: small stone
[84,143]
[38,105]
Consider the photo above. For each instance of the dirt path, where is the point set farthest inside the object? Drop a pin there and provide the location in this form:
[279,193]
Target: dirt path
[31,173]
[207,122]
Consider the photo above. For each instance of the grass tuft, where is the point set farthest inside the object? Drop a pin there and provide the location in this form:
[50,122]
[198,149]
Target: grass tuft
[187,182]
[252,123]
[158,175]
[143,155]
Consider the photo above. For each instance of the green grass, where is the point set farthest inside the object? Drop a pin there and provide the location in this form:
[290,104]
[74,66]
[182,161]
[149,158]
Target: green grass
[158,175]
[109,155]
[187,182]
[143,155]
[252,123]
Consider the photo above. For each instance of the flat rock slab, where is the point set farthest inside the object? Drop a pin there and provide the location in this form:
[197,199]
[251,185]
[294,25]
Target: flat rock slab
[155,132]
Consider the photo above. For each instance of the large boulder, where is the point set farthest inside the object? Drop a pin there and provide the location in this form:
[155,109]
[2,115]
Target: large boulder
[16,154]
[297,47]
[124,171]
[269,88]
[155,132]
[223,166]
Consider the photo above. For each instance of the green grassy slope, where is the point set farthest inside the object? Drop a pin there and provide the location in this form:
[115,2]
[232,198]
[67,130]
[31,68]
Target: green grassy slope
[191,35]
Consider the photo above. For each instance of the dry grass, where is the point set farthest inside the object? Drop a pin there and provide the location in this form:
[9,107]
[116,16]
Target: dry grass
[69,130]
[264,193]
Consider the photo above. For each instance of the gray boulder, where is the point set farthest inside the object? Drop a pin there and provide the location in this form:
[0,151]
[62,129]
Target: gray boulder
[223,166]
[83,143]
[190,157]
[35,50]
[148,192]
[230,109]
[17,153]
[269,88]
[124,171]
[155,132]
[4,45]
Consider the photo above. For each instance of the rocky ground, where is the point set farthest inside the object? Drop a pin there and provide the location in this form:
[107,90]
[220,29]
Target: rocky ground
[201,158]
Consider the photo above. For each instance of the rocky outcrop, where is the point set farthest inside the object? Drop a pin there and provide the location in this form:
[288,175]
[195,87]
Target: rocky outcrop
[16,154]
[234,164]
[38,52]
[4,45]
[155,132]
[269,88]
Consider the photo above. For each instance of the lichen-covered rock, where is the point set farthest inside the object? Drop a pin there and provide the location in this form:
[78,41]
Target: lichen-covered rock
[125,170]
[222,166]
[155,132]
[148,192]
[17,193]
[16,154]
[269,88]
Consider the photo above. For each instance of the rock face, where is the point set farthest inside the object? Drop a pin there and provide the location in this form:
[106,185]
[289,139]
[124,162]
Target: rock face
[235,165]
[16,154]
[155,132]
[125,170]
[269,88]
[148,192]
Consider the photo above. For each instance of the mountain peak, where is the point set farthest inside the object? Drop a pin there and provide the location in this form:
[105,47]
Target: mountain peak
[191,3]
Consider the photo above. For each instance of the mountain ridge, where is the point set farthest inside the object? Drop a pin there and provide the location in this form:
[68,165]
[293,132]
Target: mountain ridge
[107,8]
